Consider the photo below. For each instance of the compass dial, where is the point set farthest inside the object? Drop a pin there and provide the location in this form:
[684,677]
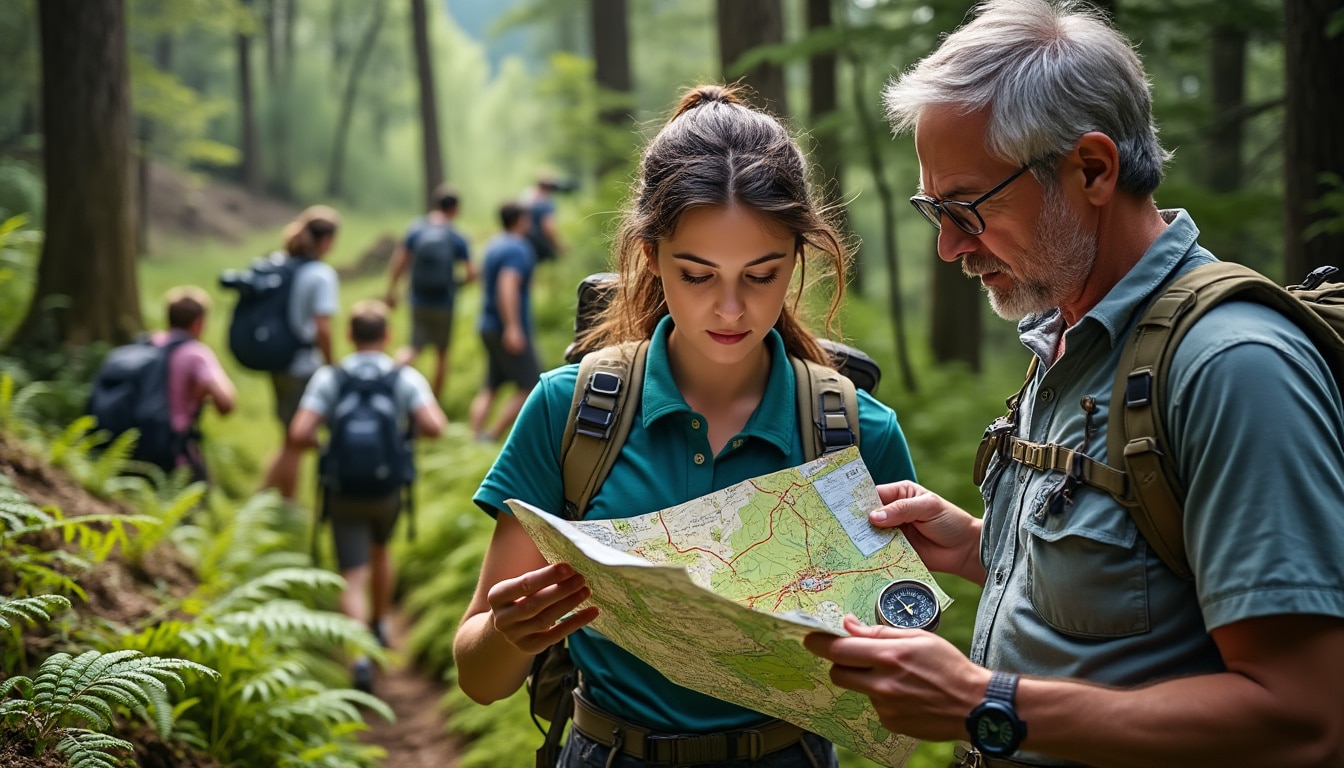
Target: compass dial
[909,604]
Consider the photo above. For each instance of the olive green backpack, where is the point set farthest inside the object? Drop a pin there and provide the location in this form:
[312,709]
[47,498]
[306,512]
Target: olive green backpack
[1146,481]
[606,399]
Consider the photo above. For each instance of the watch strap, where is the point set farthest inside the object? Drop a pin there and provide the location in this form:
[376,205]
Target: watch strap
[1002,687]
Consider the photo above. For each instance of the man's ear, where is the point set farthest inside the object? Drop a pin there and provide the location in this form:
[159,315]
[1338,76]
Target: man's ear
[1098,164]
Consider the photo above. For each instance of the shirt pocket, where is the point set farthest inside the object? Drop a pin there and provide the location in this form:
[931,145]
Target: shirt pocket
[1086,566]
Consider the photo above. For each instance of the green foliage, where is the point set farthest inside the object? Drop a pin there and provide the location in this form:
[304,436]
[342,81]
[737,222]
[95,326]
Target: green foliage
[31,609]
[18,263]
[68,692]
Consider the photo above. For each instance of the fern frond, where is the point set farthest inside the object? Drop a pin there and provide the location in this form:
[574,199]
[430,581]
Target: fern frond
[289,622]
[89,749]
[271,683]
[281,583]
[333,706]
[112,461]
[86,687]
[78,438]
[31,609]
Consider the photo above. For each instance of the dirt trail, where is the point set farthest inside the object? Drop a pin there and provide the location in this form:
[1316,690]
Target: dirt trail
[417,739]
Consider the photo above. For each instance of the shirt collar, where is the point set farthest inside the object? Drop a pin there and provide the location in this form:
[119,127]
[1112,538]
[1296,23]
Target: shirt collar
[774,420]
[1173,252]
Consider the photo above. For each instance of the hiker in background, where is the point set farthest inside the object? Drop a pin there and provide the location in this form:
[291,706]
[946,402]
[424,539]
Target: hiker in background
[158,386]
[505,325]
[313,301]
[541,227]
[722,217]
[372,407]
[432,249]
[194,373]
[1039,159]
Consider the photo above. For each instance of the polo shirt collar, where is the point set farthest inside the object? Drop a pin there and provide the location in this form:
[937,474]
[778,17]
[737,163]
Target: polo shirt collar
[774,420]
[1174,251]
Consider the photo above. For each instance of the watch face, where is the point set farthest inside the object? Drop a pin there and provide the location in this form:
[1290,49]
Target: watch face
[909,604]
[994,729]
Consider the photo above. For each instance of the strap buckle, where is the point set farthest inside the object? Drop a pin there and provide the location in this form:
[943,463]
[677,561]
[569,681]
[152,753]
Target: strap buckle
[597,410]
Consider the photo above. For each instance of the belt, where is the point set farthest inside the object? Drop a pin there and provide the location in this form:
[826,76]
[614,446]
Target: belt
[681,749]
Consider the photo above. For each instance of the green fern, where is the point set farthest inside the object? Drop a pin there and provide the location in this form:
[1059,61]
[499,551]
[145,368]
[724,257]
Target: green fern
[71,693]
[89,749]
[31,609]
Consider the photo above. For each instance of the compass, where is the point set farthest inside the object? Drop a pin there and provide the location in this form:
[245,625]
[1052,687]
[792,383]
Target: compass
[908,604]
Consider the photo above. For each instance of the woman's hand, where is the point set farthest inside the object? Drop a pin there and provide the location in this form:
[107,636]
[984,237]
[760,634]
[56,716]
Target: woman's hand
[537,609]
[946,537]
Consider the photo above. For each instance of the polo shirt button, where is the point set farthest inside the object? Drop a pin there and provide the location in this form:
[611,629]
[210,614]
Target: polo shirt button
[1047,395]
[695,423]
[737,443]
[699,458]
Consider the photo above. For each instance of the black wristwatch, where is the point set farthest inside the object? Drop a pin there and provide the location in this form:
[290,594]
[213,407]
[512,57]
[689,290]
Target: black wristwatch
[994,726]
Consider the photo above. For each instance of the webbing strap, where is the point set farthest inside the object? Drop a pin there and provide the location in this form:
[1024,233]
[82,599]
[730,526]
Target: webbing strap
[1052,457]
[599,420]
[826,399]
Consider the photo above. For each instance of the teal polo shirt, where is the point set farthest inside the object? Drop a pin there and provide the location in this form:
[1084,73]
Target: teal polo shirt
[1254,418]
[665,461]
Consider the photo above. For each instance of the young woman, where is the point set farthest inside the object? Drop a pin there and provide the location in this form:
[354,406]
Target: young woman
[712,257]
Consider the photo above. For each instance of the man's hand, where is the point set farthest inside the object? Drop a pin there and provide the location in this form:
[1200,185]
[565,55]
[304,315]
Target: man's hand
[514,340]
[946,537]
[919,684]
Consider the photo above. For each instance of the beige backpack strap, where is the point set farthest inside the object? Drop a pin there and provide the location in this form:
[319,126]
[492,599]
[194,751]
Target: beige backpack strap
[1136,432]
[600,416]
[828,401]
[995,440]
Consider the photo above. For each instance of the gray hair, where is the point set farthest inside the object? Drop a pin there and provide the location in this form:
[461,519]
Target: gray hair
[1049,72]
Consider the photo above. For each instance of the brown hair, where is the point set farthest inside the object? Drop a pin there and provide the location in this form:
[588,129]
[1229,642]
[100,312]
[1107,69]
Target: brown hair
[716,151]
[301,235]
[368,321]
[186,304]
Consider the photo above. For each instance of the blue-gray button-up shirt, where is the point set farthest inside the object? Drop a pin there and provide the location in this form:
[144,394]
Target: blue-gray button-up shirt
[1254,417]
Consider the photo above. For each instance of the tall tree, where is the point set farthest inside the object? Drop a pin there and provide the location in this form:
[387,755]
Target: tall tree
[824,117]
[744,25]
[251,148]
[89,253]
[429,111]
[1313,152]
[336,171]
[609,22]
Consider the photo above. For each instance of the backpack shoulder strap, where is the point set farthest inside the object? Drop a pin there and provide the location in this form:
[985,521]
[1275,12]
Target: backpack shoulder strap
[600,416]
[1136,433]
[828,401]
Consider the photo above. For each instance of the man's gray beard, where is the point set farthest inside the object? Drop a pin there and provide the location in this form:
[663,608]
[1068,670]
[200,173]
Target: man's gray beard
[1063,257]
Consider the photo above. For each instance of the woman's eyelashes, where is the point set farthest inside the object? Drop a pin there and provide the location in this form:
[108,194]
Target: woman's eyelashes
[765,279]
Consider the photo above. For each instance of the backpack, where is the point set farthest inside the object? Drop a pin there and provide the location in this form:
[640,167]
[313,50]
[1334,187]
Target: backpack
[606,398]
[260,334]
[1146,483]
[432,261]
[130,391]
[367,454]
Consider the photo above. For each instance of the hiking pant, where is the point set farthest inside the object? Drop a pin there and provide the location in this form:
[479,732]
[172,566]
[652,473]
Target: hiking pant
[357,524]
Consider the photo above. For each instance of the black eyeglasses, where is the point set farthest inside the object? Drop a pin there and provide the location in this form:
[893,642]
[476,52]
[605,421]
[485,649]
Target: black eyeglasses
[964,215]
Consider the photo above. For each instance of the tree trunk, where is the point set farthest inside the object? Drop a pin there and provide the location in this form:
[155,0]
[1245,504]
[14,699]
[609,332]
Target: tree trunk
[89,253]
[744,25]
[335,177]
[281,37]
[823,116]
[251,148]
[163,61]
[956,329]
[1224,171]
[429,112]
[610,26]
[1314,123]
[887,203]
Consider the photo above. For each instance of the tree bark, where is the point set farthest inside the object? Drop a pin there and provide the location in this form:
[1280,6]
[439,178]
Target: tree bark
[610,26]
[956,328]
[744,25]
[429,112]
[827,150]
[251,149]
[1313,125]
[335,177]
[89,253]
[163,61]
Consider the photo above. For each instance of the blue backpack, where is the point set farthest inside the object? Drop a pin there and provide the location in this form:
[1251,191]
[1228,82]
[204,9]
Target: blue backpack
[260,334]
[368,453]
[432,257]
[130,391]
